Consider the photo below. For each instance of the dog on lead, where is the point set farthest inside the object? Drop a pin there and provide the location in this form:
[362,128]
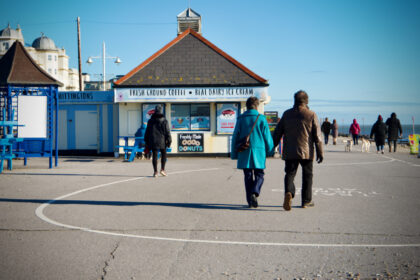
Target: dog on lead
[348,145]
[365,145]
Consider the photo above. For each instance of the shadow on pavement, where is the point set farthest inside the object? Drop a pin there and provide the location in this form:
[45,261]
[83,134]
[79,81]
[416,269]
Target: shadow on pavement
[216,206]
[71,174]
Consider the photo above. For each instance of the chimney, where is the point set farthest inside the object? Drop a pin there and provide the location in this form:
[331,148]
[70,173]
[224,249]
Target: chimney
[189,19]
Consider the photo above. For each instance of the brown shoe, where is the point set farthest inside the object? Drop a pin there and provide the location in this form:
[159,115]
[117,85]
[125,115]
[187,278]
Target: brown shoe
[287,204]
[308,204]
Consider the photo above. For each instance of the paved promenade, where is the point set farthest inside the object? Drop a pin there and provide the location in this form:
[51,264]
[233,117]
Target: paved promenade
[102,218]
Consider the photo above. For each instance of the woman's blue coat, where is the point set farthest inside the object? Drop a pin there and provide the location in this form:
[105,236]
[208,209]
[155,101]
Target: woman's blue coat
[261,141]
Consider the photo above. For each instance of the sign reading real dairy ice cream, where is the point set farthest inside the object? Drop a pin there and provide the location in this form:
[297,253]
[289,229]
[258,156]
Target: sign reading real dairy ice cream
[187,94]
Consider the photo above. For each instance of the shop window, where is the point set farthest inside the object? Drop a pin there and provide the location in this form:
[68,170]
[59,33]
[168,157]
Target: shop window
[149,110]
[190,117]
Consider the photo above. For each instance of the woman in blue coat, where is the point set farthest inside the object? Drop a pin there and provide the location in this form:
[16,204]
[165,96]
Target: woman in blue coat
[252,160]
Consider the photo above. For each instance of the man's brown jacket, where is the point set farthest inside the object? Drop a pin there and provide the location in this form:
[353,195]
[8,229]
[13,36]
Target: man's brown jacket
[301,133]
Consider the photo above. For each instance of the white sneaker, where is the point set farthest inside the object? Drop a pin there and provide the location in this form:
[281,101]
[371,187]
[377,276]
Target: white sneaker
[163,173]
[155,174]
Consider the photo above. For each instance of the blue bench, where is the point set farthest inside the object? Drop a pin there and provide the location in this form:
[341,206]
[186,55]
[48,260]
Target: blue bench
[136,148]
[6,152]
[7,141]
[132,150]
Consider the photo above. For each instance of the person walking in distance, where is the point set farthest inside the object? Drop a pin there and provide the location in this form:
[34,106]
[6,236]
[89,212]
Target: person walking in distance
[334,131]
[301,134]
[355,130]
[394,126]
[379,130]
[326,129]
[158,138]
[252,159]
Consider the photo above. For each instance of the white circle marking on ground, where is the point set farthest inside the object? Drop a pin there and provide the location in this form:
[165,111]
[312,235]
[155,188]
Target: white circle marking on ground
[358,163]
[40,213]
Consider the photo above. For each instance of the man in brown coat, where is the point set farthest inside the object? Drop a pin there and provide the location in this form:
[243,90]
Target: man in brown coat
[300,129]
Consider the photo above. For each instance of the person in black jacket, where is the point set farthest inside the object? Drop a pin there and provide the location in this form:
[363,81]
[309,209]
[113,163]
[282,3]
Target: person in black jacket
[394,126]
[379,130]
[326,129]
[158,138]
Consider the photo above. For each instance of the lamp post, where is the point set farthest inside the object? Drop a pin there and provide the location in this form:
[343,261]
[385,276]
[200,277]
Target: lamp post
[104,57]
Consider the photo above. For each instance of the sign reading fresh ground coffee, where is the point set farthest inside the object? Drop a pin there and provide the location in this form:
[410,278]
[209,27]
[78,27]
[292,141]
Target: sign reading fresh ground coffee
[190,142]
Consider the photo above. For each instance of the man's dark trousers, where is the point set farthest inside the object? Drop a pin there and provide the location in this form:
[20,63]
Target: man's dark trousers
[290,169]
[326,137]
[254,179]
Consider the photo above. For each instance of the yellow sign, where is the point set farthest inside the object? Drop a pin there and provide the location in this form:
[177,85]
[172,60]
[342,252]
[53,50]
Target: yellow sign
[414,143]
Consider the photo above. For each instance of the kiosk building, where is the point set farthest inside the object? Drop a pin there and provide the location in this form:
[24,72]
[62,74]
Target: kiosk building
[201,88]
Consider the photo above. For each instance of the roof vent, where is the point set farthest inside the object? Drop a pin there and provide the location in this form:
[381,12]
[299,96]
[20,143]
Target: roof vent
[189,19]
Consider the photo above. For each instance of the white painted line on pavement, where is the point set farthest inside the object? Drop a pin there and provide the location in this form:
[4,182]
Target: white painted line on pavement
[403,161]
[357,163]
[40,213]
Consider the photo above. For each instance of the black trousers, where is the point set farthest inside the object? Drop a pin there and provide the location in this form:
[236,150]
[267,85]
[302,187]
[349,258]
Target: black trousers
[155,158]
[326,135]
[291,169]
[254,179]
[390,143]
[355,139]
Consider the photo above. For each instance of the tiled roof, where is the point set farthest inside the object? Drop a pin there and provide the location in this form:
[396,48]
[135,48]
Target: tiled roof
[18,68]
[190,60]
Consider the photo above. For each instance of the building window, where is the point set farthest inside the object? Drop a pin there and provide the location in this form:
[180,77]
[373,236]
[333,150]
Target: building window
[55,57]
[49,57]
[55,71]
[149,110]
[190,116]
[6,45]
[49,70]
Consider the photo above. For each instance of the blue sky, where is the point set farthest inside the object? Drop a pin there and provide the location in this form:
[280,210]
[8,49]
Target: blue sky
[355,58]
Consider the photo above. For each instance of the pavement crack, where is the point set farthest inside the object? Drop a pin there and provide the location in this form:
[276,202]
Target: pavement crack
[107,262]
[231,175]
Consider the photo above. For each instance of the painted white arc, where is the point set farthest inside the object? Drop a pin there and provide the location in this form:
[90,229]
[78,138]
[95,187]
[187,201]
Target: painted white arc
[40,213]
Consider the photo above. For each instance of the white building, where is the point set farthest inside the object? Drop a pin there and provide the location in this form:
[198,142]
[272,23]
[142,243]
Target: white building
[44,51]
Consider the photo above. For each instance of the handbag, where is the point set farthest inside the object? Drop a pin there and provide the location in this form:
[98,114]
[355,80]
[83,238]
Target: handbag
[244,143]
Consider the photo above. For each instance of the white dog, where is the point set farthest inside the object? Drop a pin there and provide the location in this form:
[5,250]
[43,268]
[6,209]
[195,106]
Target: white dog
[348,145]
[365,145]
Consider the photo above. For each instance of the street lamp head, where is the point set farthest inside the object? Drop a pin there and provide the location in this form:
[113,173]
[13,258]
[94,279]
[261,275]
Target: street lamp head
[117,60]
[89,61]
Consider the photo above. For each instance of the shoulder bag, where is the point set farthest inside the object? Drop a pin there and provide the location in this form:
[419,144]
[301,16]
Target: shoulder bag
[244,143]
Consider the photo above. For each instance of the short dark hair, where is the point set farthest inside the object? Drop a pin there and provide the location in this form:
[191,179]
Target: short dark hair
[252,103]
[158,109]
[301,97]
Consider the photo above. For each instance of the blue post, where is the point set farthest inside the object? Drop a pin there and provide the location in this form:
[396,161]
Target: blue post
[56,125]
